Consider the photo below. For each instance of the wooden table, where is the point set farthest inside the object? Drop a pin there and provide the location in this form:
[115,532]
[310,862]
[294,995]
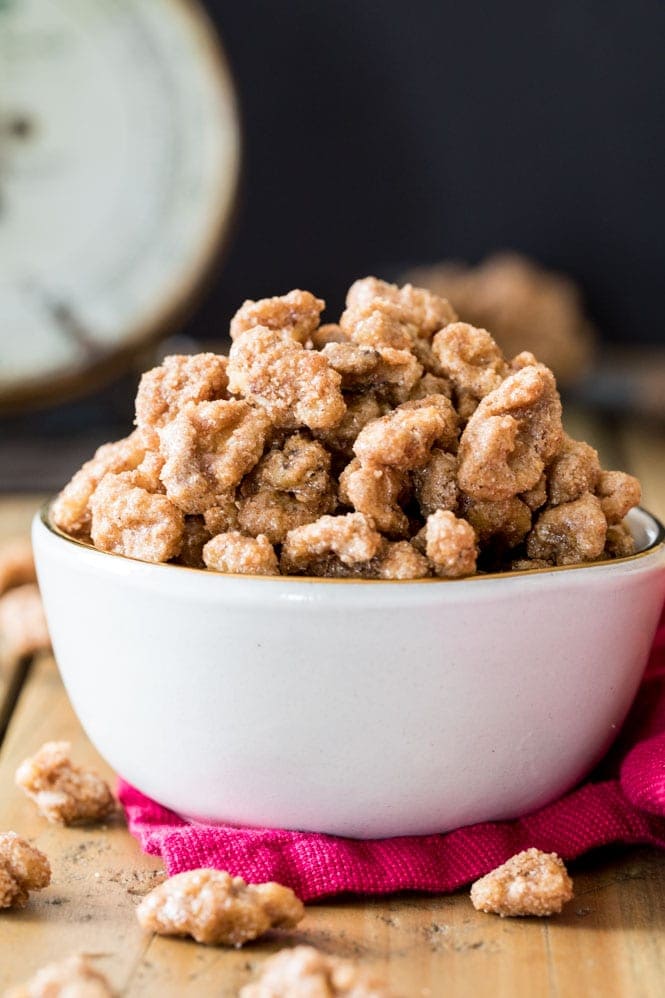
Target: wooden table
[609,941]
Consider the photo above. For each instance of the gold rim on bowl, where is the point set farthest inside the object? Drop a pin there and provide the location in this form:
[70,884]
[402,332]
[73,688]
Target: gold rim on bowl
[658,541]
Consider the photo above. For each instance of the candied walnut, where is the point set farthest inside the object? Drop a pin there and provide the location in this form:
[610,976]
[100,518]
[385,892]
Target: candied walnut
[515,431]
[23,629]
[329,332]
[523,304]
[291,486]
[403,439]
[235,553]
[570,533]
[74,977]
[471,358]
[179,379]
[379,323]
[375,492]
[400,560]
[223,517]
[17,566]
[428,312]
[506,521]
[431,384]
[450,545]
[217,909]
[208,448]
[23,868]
[390,374]
[618,493]
[130,521]
[293,385]
[148,473]
[574,471]
[304,972]
[523,359]
[196,535]
[301,466]
[360,410]
[619,542]
[537,496]
[298,312]
[530,883]
[71,509]
[435,485]
[274,513]
[350,538]
[65,794]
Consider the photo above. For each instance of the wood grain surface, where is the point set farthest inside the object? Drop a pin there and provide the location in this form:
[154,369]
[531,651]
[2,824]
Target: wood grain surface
[610,940]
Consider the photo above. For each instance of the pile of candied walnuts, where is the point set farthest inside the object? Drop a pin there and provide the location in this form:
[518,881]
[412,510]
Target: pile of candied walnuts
[397,444]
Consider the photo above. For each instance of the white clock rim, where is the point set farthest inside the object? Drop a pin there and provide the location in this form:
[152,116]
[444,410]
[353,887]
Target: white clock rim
[168,315]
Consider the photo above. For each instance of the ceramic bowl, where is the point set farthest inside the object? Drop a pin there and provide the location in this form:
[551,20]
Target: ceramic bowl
[358,708]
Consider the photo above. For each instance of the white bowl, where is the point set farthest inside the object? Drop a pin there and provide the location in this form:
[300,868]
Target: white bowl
[366,709]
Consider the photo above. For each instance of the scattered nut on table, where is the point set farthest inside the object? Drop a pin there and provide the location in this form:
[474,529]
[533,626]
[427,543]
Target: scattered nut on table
[530,883]
[304,972]
[17,566]
[64,793]
[22,869]
[23,629]
[74,977]
[216,908]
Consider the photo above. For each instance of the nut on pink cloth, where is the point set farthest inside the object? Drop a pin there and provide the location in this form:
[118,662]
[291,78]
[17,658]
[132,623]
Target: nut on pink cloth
[622,801]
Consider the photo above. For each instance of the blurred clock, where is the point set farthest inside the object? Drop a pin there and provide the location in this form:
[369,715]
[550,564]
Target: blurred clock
[119,156]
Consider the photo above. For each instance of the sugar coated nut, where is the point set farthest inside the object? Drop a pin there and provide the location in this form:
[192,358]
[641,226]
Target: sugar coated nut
[216,908]
[74,977]
[305,972]
[64,793]
[530,883]
[23,629]
[235,553]
[396,443]
[23,868]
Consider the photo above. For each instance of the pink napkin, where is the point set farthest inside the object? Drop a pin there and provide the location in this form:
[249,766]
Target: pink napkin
[622,801]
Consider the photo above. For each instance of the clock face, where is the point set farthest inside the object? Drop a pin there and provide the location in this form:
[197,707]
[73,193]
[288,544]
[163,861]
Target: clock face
[119,152]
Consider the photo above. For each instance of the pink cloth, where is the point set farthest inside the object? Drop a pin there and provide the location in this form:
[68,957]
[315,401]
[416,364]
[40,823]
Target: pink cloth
[623,801]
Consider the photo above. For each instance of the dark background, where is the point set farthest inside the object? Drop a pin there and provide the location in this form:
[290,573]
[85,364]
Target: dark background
[379,133]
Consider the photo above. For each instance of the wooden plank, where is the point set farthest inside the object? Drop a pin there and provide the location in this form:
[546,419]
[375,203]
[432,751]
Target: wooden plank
[608,942]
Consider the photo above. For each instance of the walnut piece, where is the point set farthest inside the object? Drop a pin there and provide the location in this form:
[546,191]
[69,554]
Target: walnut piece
[64,793]
[376,493]
[23,629]
[515,431]
[71,509]
[23,868]
[295,387]
[450,545]
[179,379]
[571,533]
[235,553]
[298,312]
[209,447]
[17,565]
[530,883]
[350,538]
[403,439]
[74,977]
[304,972]
[130,521]
[218,909]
